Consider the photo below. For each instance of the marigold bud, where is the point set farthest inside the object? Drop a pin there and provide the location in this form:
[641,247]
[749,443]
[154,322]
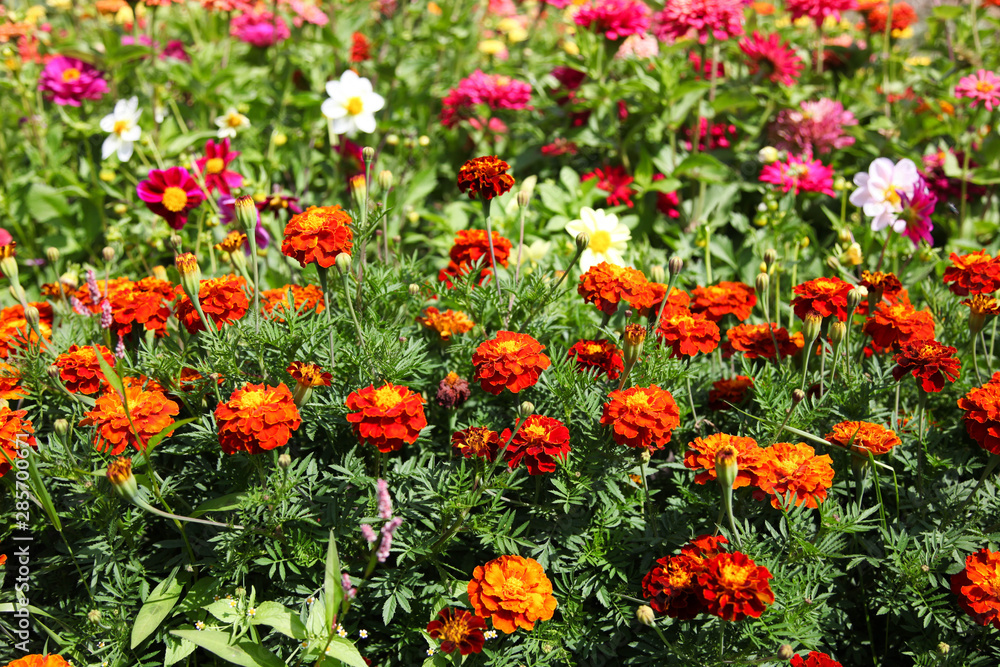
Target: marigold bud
[32,316]
[770,257]
[246,213]
[645,615]
[52,254]
[175,242]
[359,188]
[392,139]
[385,179]
[60,426]
[645,455]
[657,274]
[943,648]
[726,467]
[832,263]
[108,253]
[523,198]
[811,326]
[52,371]
[414,289]
[785,652]
[526,409]
[762,284]
[94,616]
[424,141]
[343,262]
[8,265]
[120,475]
[838,331]
[797,396]
[582,242]
[284,461]
[368,153]
[675,265]
[768,155]
[856,296]
[120,209]
[634,337]
[159,272]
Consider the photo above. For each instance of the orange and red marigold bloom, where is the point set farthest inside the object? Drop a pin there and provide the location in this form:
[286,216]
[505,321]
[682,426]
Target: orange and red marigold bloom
[457,628]
[734,587]
[446,324]
[511,360]
[256,418]
[727,298]
[755,342]
[476,441]
[975,273]
[309,375]
[151,412]
[388,417]
[223,301]
[686,334]
[80,371]
[641,417]
[672,586]
[606,285]
[929,361]
[728,392]
[10,383]
[15,332]
[794,473]
[600,354]
[146,302]
[275,302]
[485,177]
[472,246]
[38,660]
[892,325]
[702,452]
[982,414]
[318,234]
[978,587]
[881,286]
[863,437]
[16,431]
[814,659]
[513,592]
[826,296]
[538,442]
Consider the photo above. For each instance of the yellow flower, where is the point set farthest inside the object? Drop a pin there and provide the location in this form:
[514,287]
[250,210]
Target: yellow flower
[491,47]
[571,48]
[513,29]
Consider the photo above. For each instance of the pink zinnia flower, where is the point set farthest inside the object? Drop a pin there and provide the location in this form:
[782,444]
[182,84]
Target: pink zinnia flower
[493,90]
[614,18]
[259,28]
[799,175]
[638,46]
[815,127]
[721,19]
[916,214]
[616,182]
[68,81]
[306,12]
[561,146]
[773,58]
[667,203]
[214,167]
[705,70]
[818,10]
[171,194]
[983,86]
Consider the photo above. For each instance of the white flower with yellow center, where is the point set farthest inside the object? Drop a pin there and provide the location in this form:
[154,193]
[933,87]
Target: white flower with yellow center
[880,191]
[231,121]
[122,126]
[352,104]
[608,237]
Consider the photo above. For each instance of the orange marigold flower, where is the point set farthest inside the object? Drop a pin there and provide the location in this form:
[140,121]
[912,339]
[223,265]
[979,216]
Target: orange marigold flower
[38,660]
[880,286]
[222,300]
[701,456]
[234,241]
[980,307]
[471,247]
[978,587]
[388,417]
[982,414]
[309,375]
[457,628]
[677,298]
[672,586]
[903,16]
[729,391]
[318,234]
[642,417]
[15,332]
[80,371]
[145,302]
[814,659]
[606,285]
[686,334]
[304,297]
[15,432]
[892,325]
[539,441]
[727,298]
[826,296]
[706,546]
[447,324]
[256,418]
[485,177]
[795,473]
[151,412]
[600,354]
[863,437]
[511,360]
[734,587]
[754,341]
[10,383]
[513,592]
[108,287]
[476,441]
[975,273]
[929,361]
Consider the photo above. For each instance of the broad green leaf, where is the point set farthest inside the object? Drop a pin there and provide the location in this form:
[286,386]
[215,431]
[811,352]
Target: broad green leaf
[221,504]
[199,595]
[344,651]
[703,167]
[224,610]
[948,11]
[155,440]
[156,607]
[281,618]
[244,653]
[332,590]
[177,650]
[46,203]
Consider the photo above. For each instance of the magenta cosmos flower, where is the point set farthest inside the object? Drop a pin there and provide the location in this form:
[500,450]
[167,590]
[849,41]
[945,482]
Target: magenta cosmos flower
[818,10]
[68,81]
[916,214]
[815,127]
[983,86]
[214,167]
[259,28]
[171,194]
[721,19]
[773,58]
[799,175]
[614,18]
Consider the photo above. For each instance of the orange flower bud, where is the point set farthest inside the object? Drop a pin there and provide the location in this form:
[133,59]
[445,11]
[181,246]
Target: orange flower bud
[726,467]
[120,475]
[634,337]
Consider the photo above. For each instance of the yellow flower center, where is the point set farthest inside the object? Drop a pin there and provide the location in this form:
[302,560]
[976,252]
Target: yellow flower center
[252,400]
[514,589]
[70,74]
[120,127]
[509,346]
[637,401]
[892,196]
[732,575]
[387,397]
[234,120]
[354,106]
[215,165]
[981,87]
[593,348]
[679,577]
[535,432]
[456,629]
[174,199]
[600,241]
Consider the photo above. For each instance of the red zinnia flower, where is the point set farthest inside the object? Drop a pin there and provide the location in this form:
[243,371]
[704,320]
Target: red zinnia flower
[720,19]
[929,361]
[477,441]
[15,432]
[171,194]
[734,587]
[975,273]
[511,360]
[606,285]
[982,414]
[686,334]
[256,418]
[614,18]
[539,441]
[151,412]
[796,473]
[601,354]
[641,417]
[978,587]
[214,167]
[457,628]
[615,181]
[701,457]
[774,58]
[825,296]
[727,392]
[388,417]
[318,234]
[359,48]
[80,371]
[894,325]
[754,341]
[727,298]
[222,300]
[485,177]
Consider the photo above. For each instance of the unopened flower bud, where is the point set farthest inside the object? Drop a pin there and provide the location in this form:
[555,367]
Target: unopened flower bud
[523,198]
[768,155]
[176,242]
[838,330]
[8,265]
[385,179]
[106,175]
[279,138]
[634,337]
[762,284]
[368,153]
[525,410]
[94,616]
[414,289]
[943,648]
[246,214]
[582,242]
[762,267]
[855,297]
[770,257]
[657,274]
[52,371]
[645,615]
[120,209]
[785,652]
[645,455]
[60,426]
[726,466]
[675,265]
[343,262]
[284,461]
[32,316]
[52,254]
[359,189]
[424,141]
[392,139]
[108,253]
[833,263]
[120,475]
[810,326]
[804,243]
[797,396]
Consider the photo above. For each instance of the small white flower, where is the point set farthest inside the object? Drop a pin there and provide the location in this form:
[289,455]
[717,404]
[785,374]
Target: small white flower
[879,191]
[251,612]
[310,600]
[490,634]
[231,121]
[430,652]
[352,104]
[363,634]
[122,124]
[608,237]
[199,625]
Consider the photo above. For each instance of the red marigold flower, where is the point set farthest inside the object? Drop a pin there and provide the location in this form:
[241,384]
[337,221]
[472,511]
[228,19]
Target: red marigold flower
[893,325]
[388,417]
[982,414]
[15,431]
[863,437]
[978,587]
[980,306]
[457,628]
[453,391]
[727,392]
[616,182]
[795,473]
[701,456]
[903,16]
[446,324]
[601,354]
[754,341]
[214,167]
[150,410]
[359,48]
[606,285]
[309,375]
[511,360]
[646,307]
[539,441]
[146,302]
[641,417]
[686,334]
[929,361]
[222,300]
[513,592]
[318,234]
[705,546]
[485,177]
[38,660]
[10,387]
[727,298]
[825,296]
[672,586]
[80,371]
[880,286]
[734,587]
[773,57]
[975,273]
[256,418]
[814,659]
[15,332]
[304,297]
[471,246]
[476,441]
[171,194]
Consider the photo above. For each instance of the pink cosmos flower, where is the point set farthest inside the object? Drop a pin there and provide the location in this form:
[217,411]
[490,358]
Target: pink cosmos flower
[773,58]
[799,175]
[68,81]
[493,90]
[171,194]
[616,182]
[916,214]
[983,86]
[815,127]
[259,28]
[614,18]
[721,19]
[818,10]
[214,167]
